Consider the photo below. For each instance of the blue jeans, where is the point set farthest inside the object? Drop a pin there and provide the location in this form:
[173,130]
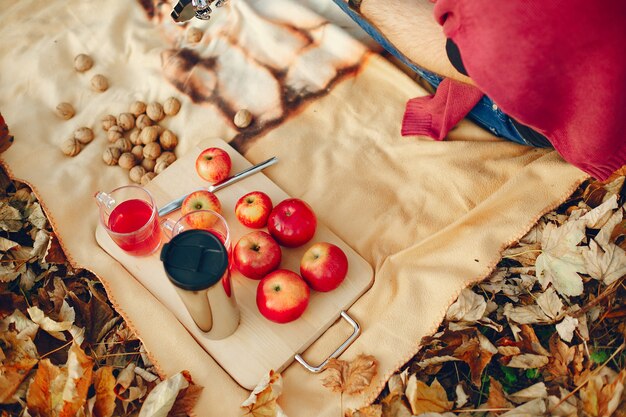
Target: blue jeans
[485,113]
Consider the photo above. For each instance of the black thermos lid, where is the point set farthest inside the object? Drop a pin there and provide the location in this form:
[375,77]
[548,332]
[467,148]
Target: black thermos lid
[194,260]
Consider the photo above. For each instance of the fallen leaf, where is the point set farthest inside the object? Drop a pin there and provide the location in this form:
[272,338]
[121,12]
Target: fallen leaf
[397,383]
[477,353]
[550,303]
[350,377]
[561,258]
[602,394]
[79,369]
[262,400]
[185,402]
[161,399]
[528,361]
[530,342]
[25,328]
[561,355]
[42,239]
[530,314]
[104,383]
[11,377]
[497,398]
[54,328]
[7,244]
[394,406]
[54,253]
[469,307]
[461,396]
[424,398]
[537,390]
[566,328]
[509,350]
[563,408]
[10,218]
[44,393]
[606,265]
[436,360]
[96,316]
[37,217]
[534,408]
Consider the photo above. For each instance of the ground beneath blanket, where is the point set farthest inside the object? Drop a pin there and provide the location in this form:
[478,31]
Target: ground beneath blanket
[543,335]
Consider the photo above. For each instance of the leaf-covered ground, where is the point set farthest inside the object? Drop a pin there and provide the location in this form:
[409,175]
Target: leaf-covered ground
[542,336]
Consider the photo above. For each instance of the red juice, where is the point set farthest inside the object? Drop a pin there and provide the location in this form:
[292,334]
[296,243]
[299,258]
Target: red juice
[136,230]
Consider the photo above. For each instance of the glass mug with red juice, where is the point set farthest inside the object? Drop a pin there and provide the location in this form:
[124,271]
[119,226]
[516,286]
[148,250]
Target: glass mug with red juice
[130,217]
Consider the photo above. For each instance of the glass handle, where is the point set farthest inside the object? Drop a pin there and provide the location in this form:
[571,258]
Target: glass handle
[105,200]
[168,227]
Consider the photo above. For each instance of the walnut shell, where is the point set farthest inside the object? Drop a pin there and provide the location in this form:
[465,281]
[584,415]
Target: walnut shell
[108,121]
[134,137]
[194,35]
[155,111]
[152,150]
[138,152]
[84,135]
[169,157]
[149,134]
[143,121]
[71,147]
[65,111]
[123,144]
[160,167]
[111,155]
[147,177]
[99,83]
[83,62]
[171,107]
[168,140]
[114,133]
[242,119]
[148,164]
[136,173]
[127,160]
[126,121]
[137,108]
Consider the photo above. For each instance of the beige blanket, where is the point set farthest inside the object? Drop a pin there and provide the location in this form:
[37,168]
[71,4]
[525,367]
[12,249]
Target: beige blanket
[431,217]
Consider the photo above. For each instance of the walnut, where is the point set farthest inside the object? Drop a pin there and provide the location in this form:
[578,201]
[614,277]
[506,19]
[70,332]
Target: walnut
[155,111]
[147,177]
[242,119]
[168,140]
[134,137]
[143,121]
[84,135]
[111,155]
[65,111]
[127,160]
[138,152]
[148,164]
[160,167]
[123,144]
[99,83]
[114,133]
[126,121]
[108,121]
[137,108]
[168,157]
[152,150]
[136,173]
[171,106]
[149,134]
[71,147]
[83,62]
[194,35]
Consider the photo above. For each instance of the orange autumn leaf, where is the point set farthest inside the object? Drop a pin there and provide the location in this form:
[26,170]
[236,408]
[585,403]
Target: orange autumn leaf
[104,383]
[262,400]
[11,376]
[43,396]
[496,399]
[350,377]
[427,399]
[602,394]
[79,369]
[477,353]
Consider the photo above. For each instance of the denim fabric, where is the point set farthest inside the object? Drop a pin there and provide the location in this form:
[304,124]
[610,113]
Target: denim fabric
[486,113]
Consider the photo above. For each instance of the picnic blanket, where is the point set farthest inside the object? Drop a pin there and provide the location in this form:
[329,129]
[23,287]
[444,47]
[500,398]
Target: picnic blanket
[431,217]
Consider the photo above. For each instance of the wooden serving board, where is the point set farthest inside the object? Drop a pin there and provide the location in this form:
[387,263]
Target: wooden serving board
[257,345]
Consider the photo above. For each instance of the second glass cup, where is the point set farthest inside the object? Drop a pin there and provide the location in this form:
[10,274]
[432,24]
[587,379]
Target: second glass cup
[208,220]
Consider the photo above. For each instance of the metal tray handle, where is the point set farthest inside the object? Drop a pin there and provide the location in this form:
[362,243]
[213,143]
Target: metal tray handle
[355,333]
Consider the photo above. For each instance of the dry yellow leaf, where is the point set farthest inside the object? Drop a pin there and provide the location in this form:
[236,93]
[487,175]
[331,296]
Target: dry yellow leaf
[603,393]
[350,377]
[496,399]
[262,400]
[393,406]
[427,399]
[104,384]
[43,397]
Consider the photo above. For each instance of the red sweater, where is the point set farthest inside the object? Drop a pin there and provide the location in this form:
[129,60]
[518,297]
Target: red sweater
[558,66]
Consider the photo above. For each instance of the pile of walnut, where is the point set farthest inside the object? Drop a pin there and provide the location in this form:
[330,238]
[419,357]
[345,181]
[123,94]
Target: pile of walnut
[138,143]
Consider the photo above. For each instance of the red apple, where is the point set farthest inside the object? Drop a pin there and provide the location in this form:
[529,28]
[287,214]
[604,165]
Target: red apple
[253,209]
[213,165]
[282,296]
[256,254]
[201,200]
[292,222]
[324,266]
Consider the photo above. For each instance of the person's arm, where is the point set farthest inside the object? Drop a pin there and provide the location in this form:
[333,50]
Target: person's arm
[411,27]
